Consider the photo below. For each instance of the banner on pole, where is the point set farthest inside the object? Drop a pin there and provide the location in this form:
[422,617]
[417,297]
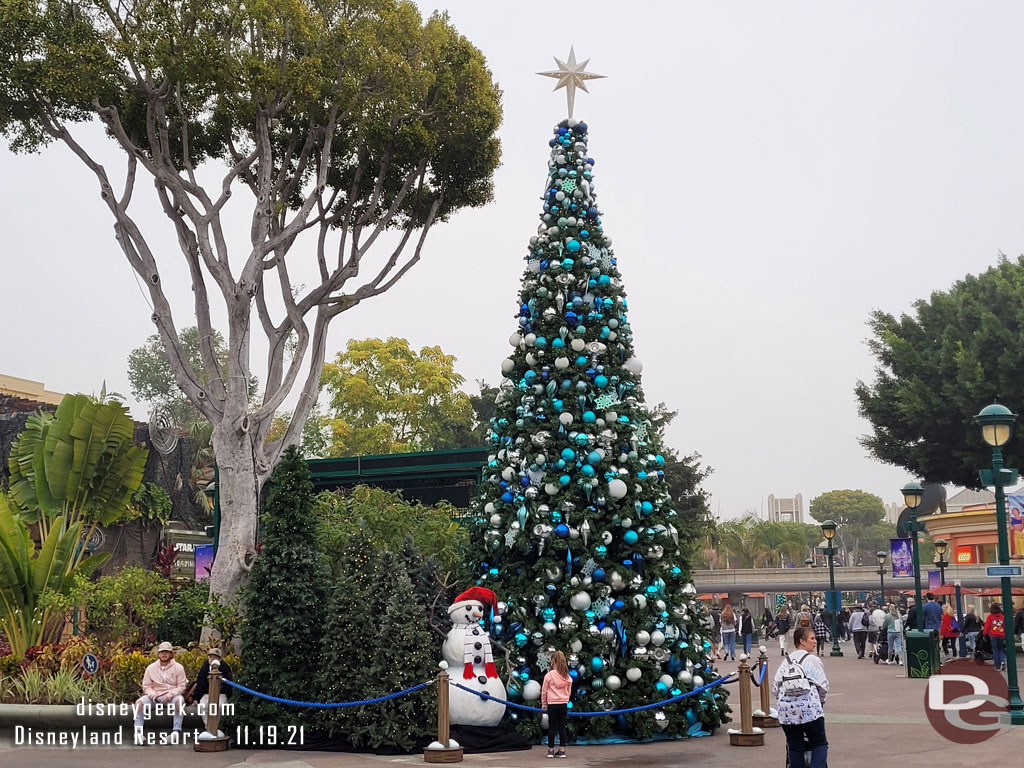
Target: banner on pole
[901,556]
[1015,519]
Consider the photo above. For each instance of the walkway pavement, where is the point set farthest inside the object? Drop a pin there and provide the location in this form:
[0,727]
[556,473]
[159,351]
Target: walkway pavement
[874,717]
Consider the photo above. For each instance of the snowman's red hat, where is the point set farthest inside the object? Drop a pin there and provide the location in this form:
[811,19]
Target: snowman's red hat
[474,595]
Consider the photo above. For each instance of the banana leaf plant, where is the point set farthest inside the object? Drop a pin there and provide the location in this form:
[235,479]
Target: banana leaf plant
[78,463]
[27,570]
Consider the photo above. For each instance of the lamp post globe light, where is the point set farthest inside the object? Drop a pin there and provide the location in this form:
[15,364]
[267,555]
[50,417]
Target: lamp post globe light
[996,422]
[913,493]
[941,545]
[881,573]
[828,528]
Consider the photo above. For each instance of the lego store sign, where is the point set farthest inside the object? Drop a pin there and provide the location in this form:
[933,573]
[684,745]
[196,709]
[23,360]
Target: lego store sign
[965,555]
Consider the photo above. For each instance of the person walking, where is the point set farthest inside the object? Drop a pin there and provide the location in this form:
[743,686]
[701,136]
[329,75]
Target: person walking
[1018,625]
[782,627]
[729,627]
[801,687]
[822,630]
[995,630]
[747,629]
[932,613]
[716,631]
[554,699]
[893,628]
[767,624]
[843,622]
[859,626]
[949,631]
[971,629]
[875,619]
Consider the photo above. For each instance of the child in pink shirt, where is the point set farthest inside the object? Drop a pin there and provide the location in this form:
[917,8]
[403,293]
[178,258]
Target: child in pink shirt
[554,699]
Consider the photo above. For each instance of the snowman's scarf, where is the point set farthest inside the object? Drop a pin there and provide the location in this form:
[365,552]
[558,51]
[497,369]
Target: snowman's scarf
[471,652]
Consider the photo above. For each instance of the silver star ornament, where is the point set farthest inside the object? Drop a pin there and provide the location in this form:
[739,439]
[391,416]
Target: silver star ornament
[571,76]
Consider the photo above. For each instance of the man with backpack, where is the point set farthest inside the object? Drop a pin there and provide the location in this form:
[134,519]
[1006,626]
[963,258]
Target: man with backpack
[801,687]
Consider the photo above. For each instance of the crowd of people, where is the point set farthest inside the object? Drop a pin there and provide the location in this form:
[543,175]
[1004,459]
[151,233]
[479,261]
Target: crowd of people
[875,630]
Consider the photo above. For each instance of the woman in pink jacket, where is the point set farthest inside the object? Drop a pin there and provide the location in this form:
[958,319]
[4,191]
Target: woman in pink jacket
[554,699]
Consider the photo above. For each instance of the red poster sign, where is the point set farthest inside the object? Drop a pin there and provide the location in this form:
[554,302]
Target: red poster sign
[965,555]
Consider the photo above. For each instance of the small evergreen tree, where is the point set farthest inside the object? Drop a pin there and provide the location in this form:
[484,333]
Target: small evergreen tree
[400,653]
[286,603]
[353,621]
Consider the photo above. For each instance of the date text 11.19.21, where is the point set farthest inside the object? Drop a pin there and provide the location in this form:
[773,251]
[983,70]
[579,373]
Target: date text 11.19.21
[270,735]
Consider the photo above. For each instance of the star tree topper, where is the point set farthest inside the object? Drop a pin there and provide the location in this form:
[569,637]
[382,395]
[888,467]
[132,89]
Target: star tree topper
[571,76]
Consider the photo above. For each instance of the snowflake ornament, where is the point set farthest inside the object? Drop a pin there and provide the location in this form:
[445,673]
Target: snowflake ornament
[511,536]
[568,186]
[544,659]
[606,400]
[602,607]
[589,566]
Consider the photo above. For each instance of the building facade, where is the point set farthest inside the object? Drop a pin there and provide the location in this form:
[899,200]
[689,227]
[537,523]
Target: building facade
[785,510]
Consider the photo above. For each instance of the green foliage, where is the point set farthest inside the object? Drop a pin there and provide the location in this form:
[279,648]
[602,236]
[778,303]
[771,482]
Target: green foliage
[183,621]
[128,605]
[28,571]
[855,512]
[79,462]
[286,600]
[152,379]
[386,519]
[960,350]
[224,616]
[484,409]
[316,433]
[386,398]
[153,504]
[754,543]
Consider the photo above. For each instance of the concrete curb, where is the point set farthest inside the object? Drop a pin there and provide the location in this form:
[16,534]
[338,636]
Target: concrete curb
[64,716]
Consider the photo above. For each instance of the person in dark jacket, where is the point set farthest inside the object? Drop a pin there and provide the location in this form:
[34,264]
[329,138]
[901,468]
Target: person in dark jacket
[747,630]
[972,628]
[200,690]
[1018,624]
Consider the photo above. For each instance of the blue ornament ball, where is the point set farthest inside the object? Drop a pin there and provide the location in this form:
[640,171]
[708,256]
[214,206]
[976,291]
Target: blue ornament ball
[646,507]
[597,663]
[521,638]
[618,605]
[573,246]
[662,688]
[598,574]
[600,382]
[589,417]
[568,454]
[562,531]
[630,537]
[594,457]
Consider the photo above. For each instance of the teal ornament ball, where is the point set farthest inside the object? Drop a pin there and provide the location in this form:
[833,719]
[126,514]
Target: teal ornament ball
[597,663]
[630,537]
[573,246]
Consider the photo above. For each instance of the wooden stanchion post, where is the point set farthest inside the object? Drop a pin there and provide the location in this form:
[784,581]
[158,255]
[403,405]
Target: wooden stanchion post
[212,739]
[747,735]
[765,719]
[445,749]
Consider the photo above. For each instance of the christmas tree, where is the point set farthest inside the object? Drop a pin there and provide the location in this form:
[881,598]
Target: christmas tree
[286,603]
[575,530]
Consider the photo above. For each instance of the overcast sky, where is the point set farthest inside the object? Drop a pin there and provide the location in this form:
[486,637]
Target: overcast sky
[770,173]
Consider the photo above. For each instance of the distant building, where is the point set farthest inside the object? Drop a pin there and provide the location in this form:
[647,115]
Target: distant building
[26,389]
[785,510]
[892,511]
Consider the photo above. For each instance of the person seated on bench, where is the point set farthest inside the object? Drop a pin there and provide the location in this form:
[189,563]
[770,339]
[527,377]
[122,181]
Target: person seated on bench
[162,685]
[201,687]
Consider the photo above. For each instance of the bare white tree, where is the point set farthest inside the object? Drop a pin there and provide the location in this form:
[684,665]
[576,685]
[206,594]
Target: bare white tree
[342,120]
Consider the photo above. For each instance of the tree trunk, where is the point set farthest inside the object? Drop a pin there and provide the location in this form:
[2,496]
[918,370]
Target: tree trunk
[238,489]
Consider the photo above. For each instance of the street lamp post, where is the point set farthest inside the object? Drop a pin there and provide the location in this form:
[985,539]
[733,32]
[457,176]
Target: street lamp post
[996,423]
[881,572]
[828,528]
[912,495]
[941,545]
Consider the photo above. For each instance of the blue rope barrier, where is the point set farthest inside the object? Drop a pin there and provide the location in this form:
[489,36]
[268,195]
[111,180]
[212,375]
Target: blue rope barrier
[322,705]
[663,703]
[760,676]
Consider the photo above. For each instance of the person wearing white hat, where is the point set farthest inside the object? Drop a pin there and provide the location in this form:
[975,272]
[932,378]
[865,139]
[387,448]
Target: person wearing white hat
[163,685]
[201,687]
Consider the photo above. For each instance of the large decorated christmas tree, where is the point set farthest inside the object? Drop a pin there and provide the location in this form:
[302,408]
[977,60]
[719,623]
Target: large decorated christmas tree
[575,530]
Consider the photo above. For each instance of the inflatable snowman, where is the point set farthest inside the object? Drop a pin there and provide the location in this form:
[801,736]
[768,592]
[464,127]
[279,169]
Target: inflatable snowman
[467,649]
